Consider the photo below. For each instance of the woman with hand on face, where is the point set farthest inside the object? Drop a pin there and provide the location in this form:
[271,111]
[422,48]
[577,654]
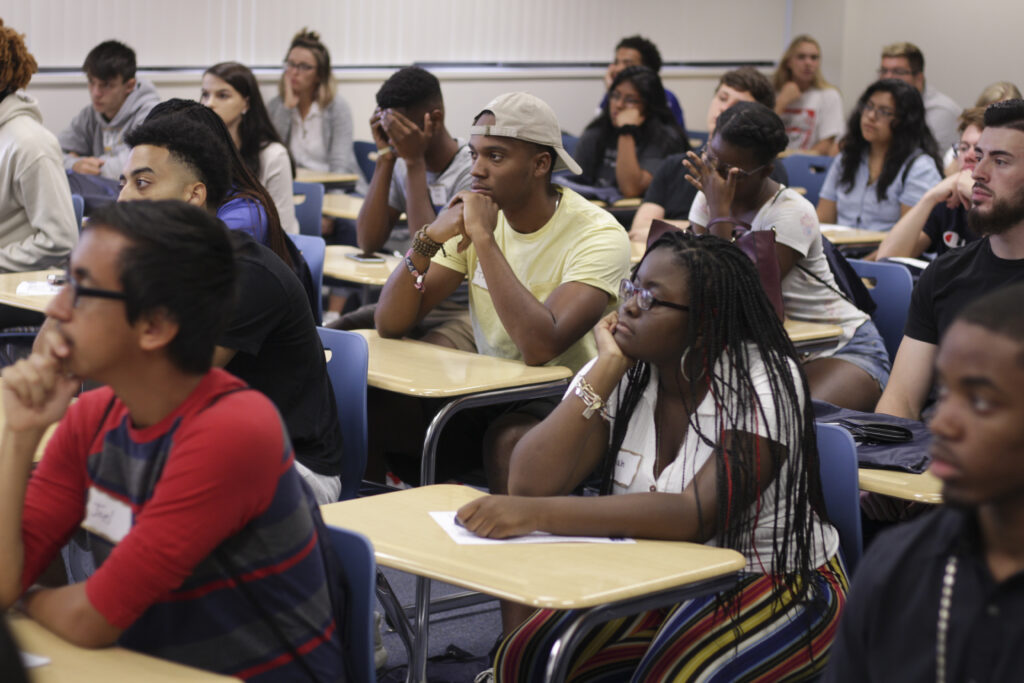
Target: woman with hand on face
[696,416]
[231,90]
[888,160]
[810,106]
[734,176]
[634,132]
[938,222]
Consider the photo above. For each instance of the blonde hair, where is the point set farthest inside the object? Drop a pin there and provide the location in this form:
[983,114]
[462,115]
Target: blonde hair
[997,92]
[908,51]
[16,63]
[783,74]
[327,85]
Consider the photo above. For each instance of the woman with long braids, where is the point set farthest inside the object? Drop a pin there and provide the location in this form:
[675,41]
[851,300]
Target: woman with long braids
[888,160]
[696,414]
[737,191]
[632,135]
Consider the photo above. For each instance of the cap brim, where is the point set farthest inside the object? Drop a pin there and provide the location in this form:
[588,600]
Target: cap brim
[566,161]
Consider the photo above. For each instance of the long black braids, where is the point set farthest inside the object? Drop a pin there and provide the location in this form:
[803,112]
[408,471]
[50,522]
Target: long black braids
[731,323]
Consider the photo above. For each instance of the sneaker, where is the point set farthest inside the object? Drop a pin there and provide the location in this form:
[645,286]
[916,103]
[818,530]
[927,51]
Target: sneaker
[380,653]
[485,676]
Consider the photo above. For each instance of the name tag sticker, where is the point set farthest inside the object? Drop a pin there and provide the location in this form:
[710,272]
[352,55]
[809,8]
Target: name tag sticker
[627,464]
[478,277]
[438,195]
[107,516]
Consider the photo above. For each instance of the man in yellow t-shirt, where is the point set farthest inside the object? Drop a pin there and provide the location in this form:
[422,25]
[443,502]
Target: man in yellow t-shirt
[543,263]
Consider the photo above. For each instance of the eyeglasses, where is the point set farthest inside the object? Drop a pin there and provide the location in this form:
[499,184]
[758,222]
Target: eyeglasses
[723,169]
[894,73]
[78,291]
[644,298]
[298,66]
[627,100]
[963,148]
[880,112]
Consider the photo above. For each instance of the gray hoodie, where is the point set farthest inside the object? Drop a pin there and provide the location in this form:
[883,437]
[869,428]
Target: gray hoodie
[90,135]
[37,222]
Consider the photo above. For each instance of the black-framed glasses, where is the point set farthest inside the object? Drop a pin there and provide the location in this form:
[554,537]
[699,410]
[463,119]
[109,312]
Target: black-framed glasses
[880,112]
[895,73]
[298,66]
[723,169]
[644,299]
[78,291]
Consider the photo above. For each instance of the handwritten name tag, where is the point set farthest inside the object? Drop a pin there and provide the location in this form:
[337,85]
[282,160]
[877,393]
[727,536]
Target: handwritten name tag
[478,277]
[107,516]
[627,464]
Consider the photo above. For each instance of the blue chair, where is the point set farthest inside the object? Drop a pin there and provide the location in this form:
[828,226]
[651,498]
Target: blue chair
[314,250]
[837,456]
[569,141]
[893,286]
[807,171]
[347,367]
[697,138]
[356,561]
[311,209]
[363,150]
[78,203]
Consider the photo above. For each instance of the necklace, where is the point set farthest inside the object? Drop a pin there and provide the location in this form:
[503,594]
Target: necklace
[942,630]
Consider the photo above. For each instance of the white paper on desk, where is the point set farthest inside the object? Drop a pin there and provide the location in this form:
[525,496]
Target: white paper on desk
[32,661]
[464,536]
[37,288]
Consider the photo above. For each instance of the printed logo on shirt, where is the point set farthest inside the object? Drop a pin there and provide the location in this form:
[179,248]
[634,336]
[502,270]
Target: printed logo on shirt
[107,516]
[952,240]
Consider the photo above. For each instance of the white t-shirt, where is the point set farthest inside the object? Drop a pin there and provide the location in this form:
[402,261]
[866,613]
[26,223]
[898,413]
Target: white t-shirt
[634,470]
[276,176]
[816,115]
[812,296]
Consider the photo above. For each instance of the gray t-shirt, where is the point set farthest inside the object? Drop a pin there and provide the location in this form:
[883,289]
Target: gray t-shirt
[442,186]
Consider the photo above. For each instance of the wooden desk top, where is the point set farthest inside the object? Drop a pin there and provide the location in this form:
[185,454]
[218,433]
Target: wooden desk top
[9,285]
[338,265]
[922,488]
[342,206]
[72,664]
[803,332]
[304,175]
[416,368]
[842,236]
[558,575]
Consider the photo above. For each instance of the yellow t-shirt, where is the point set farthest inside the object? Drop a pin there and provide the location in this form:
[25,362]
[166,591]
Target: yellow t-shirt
[581,243]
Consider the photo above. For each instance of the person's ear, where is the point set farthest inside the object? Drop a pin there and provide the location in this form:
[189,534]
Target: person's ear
[195,194]
[156,329]
[131,83]
[542,164]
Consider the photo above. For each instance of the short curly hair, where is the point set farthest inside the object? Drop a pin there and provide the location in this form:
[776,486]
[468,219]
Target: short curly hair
[649,54]
[410,87]
[16,63]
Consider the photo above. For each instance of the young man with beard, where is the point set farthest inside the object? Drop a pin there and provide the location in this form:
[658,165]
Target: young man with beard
[962,275]
[939,599]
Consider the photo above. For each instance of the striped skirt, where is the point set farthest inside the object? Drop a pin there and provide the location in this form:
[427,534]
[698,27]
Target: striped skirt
[759,638]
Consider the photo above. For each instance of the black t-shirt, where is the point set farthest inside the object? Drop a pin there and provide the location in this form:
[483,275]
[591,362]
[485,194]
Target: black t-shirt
[947,229]
[670,190]
[278,352]
[952,281]
[654,142]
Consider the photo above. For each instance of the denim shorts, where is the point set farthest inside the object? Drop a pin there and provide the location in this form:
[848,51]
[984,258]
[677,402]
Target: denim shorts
[867,351]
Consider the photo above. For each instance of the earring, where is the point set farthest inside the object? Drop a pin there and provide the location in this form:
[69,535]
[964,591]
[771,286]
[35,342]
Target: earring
[682,365]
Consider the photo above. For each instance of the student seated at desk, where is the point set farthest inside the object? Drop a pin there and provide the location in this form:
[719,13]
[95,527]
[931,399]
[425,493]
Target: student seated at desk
[669,196]
[207,547]
[959,276]
[696,415]
[639,51]
[940,598]
[888,160]
[543,263]
[628,140]
[271,340]
[37,221]
[938,222]
[734,176]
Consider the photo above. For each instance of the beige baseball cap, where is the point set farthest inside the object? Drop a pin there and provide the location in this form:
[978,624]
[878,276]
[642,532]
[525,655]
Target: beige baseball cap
[526,117]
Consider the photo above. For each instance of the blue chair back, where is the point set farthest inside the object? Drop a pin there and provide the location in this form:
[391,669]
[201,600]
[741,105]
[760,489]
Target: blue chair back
[314,250]
[78,203]
[893,286]
[569,141]
[837,456]
[356,562]
[363,150]
[347,367]
[697,138]
[807,171]
[308,213]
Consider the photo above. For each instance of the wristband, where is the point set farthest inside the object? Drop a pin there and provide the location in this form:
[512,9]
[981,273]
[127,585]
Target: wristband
[417,276]
[628,129]
[387,149]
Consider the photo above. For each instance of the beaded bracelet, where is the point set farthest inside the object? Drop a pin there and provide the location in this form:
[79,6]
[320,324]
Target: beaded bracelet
[417,276]
[423,245]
